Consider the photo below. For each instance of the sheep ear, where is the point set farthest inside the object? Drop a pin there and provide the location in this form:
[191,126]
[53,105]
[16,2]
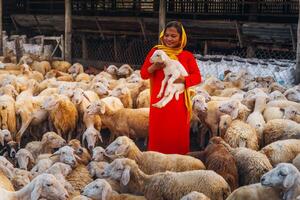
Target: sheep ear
[125,176]
[288,181]
[105,192]
[36,193]
[31,159]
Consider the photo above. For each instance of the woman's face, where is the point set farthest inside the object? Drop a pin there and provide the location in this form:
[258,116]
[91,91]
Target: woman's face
[171,37]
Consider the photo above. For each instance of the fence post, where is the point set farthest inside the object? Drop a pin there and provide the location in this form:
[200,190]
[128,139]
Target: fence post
[297,78]
[84,47]
[68,31]
[1,28]
[162,16]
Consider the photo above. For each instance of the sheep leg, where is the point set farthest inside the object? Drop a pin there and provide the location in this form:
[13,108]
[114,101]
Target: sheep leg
[163,83]
[170,85]
[168,98]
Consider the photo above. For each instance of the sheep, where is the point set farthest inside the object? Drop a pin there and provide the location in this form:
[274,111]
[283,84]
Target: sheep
[217,158]
[41,166]
[5,136]
[279,129]
[62,113]
[7,167]
[291,113]
[21,178]
[235,109]
[58,75]
[5,182]
[124,71]
[292,94]
[167,185]
[286,177]
[43,186]
[125,121]
[99,154]
[255,192]
[195,196]
[100,89]
[8,112]
[62,66]
[81,152]
[25,159]
[151,162]
[282,151]
[251,164]
[211,85]
[10,151]
[112,70]
[173,70]
[29,74]
[96,169]
[283,104]
[276,95]
[272,112]
[50,141]
[100,189]
[42,67]
[76,70]
[143,100]
[123,93]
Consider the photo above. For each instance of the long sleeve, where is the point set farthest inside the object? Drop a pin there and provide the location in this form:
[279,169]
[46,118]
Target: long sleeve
[194,77]
[144,69]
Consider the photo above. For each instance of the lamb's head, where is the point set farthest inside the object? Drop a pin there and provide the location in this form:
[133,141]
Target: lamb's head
[91,136]
[125,71]
[282,176]
[134,78]
[292,94]
[119,148]
[47,186]
[291,112]
[96,169]
[112,69]
[96,107]
[24,158]
[21,178]
[59,168]
[195,196]
[101,79]
[5,136]
[276,95]
[100,88]
[75,144]
[119,91]
[120,169]
[159,56]
[225,121]
[203,93]
[199,103]
[53,140]
[98,154]
[99,189]
[41,167]
[230,108]
[214,83]
[67,155]
[76,69]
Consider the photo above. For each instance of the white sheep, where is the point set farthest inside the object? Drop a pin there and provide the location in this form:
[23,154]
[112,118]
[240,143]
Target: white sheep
[292,94]
[286,177]
[195,196]
[43,186]
[5,136]
[41,166]
[167,185]
[173,70]
[292,113]
[25,159]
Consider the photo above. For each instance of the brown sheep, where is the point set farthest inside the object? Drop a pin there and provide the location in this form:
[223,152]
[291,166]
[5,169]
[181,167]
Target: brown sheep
[80,151]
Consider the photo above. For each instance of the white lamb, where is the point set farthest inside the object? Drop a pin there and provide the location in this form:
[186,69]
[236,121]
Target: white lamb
[173,70]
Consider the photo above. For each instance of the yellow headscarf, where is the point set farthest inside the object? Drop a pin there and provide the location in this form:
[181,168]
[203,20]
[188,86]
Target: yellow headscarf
[173,53]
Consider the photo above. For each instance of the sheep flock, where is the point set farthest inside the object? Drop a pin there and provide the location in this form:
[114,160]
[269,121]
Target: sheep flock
[70,132]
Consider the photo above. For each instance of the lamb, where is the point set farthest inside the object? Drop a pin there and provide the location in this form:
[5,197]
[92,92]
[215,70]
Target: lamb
[143,100]
[43,186]
[282,151]
[41,166]
[167,185]
[124,94]
[195,196]
[151,162]
[279,129]
[8,112]
[292,94]
[100,189]
[43,67]
[5,136]
[81,152]
[255,192]
[21,178]
[50,142]
[291,113]
[76,70]
[25,159]
[283,104]
[96,169]
[112,70]
[235,109]
[124,71]
[63,114]
[251,164]
[217,158]
[172,71]
[285,176]
[62,66]
[99,154]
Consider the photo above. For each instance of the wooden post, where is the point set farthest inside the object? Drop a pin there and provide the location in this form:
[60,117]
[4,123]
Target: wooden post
[68,31]
[162,16]
[1,29]
[84,47]
[297,78]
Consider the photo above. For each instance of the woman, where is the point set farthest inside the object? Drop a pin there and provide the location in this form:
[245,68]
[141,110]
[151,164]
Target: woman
[169,126]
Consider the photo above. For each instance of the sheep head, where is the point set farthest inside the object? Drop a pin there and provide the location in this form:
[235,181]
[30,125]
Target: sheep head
[12,148]
[96,169]
[5,136]
[276,95]
[230,108]
[96,107]
[24,158]
[75,144]
[9,90]
[59,168]
[67,156]
[99,189]
[21,178]
[159,56]
[112,69]
[53,140]
[91,136]
[41,167]
[119,147]
[282,176]
[292,94]
[100,88]
[125,70]
[203,93]
[119,91]
[76,69]
[199,103]
[98,154]
[214,83]
[47,186]
[290,112]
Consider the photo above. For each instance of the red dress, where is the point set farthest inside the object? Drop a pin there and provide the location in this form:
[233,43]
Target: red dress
[169,126]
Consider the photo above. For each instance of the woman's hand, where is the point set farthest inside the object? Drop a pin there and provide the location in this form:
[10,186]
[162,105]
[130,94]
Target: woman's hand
[156,66]
[181,79]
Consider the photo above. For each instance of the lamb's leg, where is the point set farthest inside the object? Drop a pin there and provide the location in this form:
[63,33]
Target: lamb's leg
[163,83]
[168,98]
